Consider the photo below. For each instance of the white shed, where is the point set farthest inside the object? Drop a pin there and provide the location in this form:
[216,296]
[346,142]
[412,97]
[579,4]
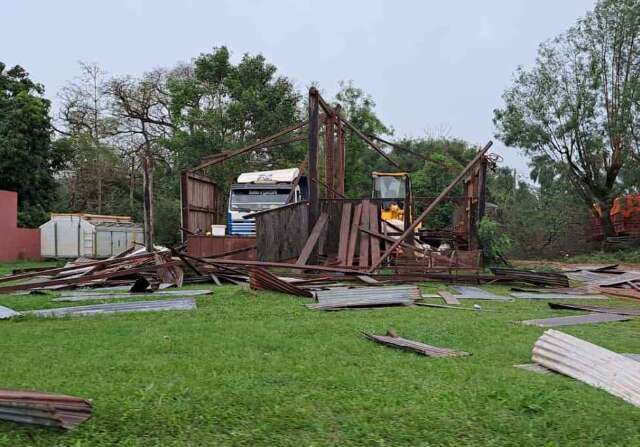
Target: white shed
[87,235]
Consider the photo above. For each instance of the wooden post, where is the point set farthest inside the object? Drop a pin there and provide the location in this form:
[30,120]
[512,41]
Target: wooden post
[314,199]
[330,162]
[339,159]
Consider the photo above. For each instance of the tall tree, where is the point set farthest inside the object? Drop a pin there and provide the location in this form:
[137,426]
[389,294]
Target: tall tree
[580,104]
[218,105]
[88,128]
[28,161]
[141,107]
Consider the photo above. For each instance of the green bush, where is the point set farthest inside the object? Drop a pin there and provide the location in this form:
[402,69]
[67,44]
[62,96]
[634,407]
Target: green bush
[493,241]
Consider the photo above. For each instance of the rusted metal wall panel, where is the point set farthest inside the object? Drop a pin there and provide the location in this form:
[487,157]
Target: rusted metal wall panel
[207,246]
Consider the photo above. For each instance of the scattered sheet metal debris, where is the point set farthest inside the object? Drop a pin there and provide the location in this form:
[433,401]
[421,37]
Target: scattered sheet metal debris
[534,367]
[589,363]
[6,313]
[632,311]
[555,279]
[156,267]
[556,296]
[261,279]
[393,340]
[445,306]
[51,410]
[89,296]
[136,306]
[576,319]
[476,293]
[343,297]
[448,297]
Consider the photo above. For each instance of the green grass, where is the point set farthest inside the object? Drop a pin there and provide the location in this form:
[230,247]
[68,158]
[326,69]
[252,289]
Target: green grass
[260,369]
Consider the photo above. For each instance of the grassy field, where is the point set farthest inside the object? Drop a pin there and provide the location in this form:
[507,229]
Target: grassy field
[260,369]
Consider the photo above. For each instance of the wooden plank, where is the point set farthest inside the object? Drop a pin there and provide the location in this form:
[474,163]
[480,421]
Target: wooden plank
[313,239]
[343,238]
[374,222]
[363,260]
[448,298]
[353,237]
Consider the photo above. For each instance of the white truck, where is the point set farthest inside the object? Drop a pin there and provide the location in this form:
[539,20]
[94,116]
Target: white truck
[258,191]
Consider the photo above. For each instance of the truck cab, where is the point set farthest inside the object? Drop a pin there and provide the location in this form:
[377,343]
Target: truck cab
[259,191]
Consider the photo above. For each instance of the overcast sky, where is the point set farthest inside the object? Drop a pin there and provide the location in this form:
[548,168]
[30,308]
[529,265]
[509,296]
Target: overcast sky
[433,67]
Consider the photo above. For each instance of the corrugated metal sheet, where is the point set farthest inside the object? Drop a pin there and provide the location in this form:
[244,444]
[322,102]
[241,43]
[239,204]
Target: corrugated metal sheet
[51,410]
[414,346]
[634,311]
[261,279]
[529,276]
[576,319]
[556,296]
[89,296]
[476,293]
[534,367]
[589,363]
[137,306]
[6,313]
[343,297]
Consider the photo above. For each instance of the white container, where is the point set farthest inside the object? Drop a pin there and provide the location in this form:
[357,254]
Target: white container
[218,230]
[88,235]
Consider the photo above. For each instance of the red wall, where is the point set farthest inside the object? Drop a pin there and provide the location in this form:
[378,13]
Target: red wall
[15,243]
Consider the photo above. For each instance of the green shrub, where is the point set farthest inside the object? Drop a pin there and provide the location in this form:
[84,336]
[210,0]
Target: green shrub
[493,241]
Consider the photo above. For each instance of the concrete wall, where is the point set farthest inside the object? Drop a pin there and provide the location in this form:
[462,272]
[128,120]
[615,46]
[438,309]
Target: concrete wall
[15,243]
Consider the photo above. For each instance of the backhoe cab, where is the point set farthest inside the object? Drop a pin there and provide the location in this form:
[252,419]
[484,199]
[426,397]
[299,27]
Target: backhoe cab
[395,189]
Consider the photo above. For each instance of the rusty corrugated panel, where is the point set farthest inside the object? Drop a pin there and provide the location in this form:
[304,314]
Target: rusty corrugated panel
[343,297]
[261,279]
[589,363]
[414,346]
[529,276]
[52,410]
[576,319]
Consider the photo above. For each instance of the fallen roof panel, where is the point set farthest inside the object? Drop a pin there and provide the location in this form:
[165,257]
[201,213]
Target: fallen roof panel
[633,311]
[52,410]
[88,296]
[341,298]
[556,296]
[476,293]
[576,319]
[136,306]
[6,313]
[589,363]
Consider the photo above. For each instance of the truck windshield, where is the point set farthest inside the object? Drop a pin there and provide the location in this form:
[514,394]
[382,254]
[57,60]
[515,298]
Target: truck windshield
[257,199]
